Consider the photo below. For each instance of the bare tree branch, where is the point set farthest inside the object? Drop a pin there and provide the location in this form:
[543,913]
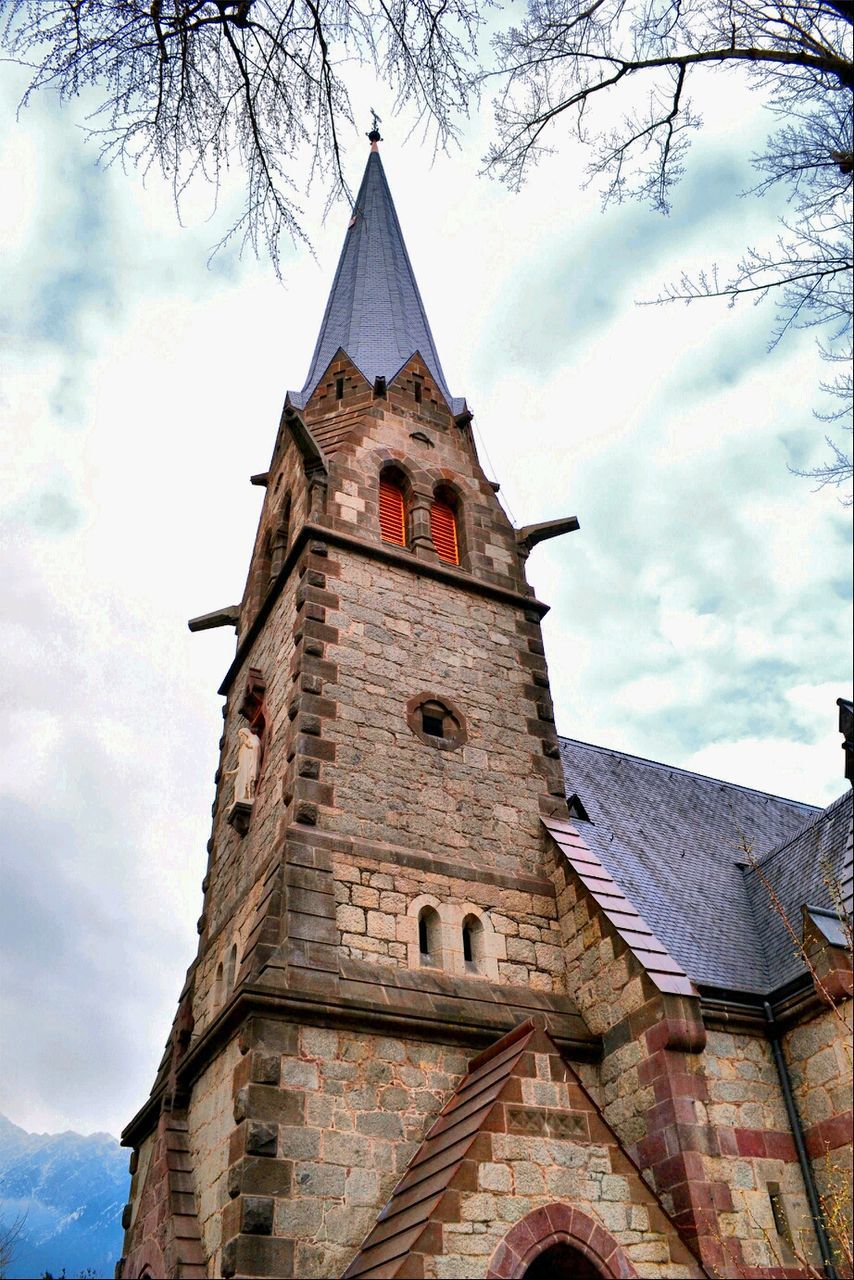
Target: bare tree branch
[194,87]
[574,61]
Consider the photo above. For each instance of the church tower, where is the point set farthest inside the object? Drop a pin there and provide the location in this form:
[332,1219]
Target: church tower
[375,901]
[377,1066]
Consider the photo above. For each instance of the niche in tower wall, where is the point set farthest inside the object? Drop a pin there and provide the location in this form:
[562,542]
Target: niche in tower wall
[250,757]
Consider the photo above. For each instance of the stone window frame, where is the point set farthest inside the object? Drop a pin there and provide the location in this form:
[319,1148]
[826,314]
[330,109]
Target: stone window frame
[492,945]
[447,491]
[558,1224]
[450,957]
[423,484]
[231,970]
[414,954]
[396,472]
[451,743]
[280,533]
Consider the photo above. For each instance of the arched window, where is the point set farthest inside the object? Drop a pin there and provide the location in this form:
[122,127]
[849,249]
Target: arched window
[472,942]
[392,510]
[231,970]
[443,526]
[279,540]
[429,947]
[219,986]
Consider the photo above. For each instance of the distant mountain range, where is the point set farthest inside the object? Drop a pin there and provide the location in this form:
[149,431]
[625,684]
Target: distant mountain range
[70,1190]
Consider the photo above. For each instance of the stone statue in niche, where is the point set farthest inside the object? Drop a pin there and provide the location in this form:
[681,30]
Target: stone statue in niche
[251,740]
[248,763]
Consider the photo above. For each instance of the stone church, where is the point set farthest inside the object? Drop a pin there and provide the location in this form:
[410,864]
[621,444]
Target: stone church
[472,999]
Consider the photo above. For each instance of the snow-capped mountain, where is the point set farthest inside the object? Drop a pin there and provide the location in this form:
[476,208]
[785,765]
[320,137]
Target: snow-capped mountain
[69,1190]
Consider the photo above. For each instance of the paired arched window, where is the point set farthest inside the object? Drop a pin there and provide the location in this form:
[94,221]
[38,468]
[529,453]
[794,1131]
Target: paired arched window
[444,529]
[392,510]
[443,526]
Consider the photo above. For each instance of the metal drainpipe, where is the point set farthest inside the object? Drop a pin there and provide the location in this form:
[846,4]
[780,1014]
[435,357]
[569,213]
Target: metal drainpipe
[798,1135]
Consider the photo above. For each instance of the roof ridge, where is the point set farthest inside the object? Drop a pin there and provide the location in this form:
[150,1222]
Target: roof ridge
[824,815]
[692,773]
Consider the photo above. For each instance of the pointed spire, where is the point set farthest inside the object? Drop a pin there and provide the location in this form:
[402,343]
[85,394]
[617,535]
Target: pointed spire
[375,313]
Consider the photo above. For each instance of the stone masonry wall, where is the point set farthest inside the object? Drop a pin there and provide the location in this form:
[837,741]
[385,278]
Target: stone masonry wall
[284,510]
[234,880]
[362,433]
[377,915]
[819,1055]
[544,1148]
[400,635]
[210,1118]
[237,859]
[336,1117]
[755,1150]
[701,1112]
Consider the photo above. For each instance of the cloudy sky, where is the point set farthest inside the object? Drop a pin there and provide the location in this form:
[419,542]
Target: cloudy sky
[701,616]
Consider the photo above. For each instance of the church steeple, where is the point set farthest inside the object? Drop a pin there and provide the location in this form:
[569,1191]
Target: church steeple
[375,313]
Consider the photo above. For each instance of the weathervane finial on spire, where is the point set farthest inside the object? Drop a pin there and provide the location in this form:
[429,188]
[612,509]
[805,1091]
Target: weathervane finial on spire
[374,135]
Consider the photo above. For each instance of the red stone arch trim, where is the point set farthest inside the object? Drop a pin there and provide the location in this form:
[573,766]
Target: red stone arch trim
[147,1261]
[558,1224]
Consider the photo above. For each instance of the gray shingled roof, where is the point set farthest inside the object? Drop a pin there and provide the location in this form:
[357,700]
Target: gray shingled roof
[374,313]
[676,843]
[798,871]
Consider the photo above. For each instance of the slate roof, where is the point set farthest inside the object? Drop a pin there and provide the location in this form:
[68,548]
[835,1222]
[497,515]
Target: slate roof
[676,843]
[374,313]
[797,871]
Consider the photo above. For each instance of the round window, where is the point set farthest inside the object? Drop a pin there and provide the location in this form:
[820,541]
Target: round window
[437,721]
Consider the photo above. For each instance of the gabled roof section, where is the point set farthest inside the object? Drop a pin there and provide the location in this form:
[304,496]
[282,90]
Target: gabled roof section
[374,313]
[678,845]
[664,971]
[813,868]
[437,1159]
[487,1102]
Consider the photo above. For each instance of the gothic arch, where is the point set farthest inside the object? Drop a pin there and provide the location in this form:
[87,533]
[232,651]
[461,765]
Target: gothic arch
[418,478]
[558,1224]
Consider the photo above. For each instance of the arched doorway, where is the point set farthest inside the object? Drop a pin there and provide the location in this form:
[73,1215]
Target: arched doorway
[562,1262]
[559,1242]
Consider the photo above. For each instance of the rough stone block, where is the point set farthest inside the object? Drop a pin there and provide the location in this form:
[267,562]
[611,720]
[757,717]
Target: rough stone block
[261,1139]
[257,1215]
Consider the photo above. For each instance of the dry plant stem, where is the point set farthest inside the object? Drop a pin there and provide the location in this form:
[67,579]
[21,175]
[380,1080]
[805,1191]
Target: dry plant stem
[800,950]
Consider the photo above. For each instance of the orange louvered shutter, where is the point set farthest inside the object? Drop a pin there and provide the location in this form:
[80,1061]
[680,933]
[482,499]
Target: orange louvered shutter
[443,528]
[392,513]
